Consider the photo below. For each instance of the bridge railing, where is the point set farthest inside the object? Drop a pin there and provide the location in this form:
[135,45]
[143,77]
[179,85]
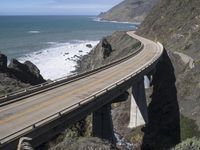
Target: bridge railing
[33,90]
[59,114]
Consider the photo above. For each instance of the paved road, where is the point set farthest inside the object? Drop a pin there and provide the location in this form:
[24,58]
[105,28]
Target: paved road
[18,115]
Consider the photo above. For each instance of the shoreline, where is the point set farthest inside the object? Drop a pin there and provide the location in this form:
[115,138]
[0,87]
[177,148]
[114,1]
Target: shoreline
[98,19]
[62,55]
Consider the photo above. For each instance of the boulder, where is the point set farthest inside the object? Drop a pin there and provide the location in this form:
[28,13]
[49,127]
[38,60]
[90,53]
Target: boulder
[27,72]
[89,45]
[3,62]
[16,65]
[32,69]
[106,48]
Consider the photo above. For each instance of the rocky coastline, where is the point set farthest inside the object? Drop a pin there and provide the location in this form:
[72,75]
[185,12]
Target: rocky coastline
[16,75]
[177,27]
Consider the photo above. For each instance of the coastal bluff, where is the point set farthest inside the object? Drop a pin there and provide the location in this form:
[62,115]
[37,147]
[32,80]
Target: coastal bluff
[16,75]
[129,11]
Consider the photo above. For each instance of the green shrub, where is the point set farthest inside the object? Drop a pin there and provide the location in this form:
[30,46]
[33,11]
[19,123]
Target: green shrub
[189,144]
[189,128]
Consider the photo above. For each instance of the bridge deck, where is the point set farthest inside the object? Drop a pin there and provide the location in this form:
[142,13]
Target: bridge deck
[18,115]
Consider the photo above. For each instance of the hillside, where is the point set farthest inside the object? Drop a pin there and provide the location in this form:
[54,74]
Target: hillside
[129,11]
[109,49]
[176,23]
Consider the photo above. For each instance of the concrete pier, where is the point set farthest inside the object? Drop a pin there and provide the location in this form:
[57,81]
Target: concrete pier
[102,124]
[138,110]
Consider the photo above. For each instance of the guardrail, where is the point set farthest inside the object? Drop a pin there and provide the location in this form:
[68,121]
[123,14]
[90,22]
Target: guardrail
[59,114]
[24,93]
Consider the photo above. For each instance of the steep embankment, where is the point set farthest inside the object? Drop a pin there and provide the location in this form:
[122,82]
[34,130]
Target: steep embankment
[129,11]
[109,49]
[16,75]
[176,23]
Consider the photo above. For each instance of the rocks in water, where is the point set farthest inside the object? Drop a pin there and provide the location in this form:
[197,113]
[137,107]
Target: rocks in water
[89,45]
[27,72]
[106,48]
[3,62]
[66,54]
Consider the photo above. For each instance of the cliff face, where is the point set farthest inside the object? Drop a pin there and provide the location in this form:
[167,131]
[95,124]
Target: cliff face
[109,49]
[176,23]
[17,75]
[129,11]
[163,128]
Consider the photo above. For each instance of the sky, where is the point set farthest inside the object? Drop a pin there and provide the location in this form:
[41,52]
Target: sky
[55,7]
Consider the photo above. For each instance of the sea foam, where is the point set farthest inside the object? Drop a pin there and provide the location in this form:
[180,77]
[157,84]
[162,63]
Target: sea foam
[33,32]
[60,59]
[102,20]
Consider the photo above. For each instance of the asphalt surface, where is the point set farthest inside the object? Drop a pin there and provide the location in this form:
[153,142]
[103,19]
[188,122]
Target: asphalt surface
[18,115]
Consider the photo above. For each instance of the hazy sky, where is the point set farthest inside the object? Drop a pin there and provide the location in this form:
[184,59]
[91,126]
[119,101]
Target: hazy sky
[55,7]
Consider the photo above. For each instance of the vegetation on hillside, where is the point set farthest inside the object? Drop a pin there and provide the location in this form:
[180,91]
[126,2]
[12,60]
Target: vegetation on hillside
[129,11]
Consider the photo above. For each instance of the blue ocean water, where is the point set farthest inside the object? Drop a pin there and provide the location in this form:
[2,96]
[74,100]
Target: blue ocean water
[42,39]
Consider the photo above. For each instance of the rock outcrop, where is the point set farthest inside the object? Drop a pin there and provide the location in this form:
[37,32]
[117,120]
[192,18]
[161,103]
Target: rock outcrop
[110,48]
[129,11]
[163,129]
[89,45]
[3,62]
[17,75]
[175,23]
[27,72]
[106,48]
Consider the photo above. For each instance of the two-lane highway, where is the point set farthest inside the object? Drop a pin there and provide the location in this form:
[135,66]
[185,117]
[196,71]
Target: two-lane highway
[23,113]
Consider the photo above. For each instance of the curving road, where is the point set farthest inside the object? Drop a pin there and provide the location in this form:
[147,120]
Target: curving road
[18,115]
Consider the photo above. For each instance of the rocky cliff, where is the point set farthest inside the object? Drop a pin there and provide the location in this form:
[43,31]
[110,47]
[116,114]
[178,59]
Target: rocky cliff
[17,75]
[163,128]
[176,23]
[109,49]
[129,11]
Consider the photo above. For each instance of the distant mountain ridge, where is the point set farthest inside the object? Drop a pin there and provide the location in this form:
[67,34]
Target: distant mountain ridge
[129,11]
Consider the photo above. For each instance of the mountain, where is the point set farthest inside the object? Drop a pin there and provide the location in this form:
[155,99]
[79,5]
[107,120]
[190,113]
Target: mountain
[129,11]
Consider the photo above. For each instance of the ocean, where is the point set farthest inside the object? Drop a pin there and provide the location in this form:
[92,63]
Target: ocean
[53,43]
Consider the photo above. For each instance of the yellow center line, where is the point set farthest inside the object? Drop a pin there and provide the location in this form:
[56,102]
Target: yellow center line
[47,103]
